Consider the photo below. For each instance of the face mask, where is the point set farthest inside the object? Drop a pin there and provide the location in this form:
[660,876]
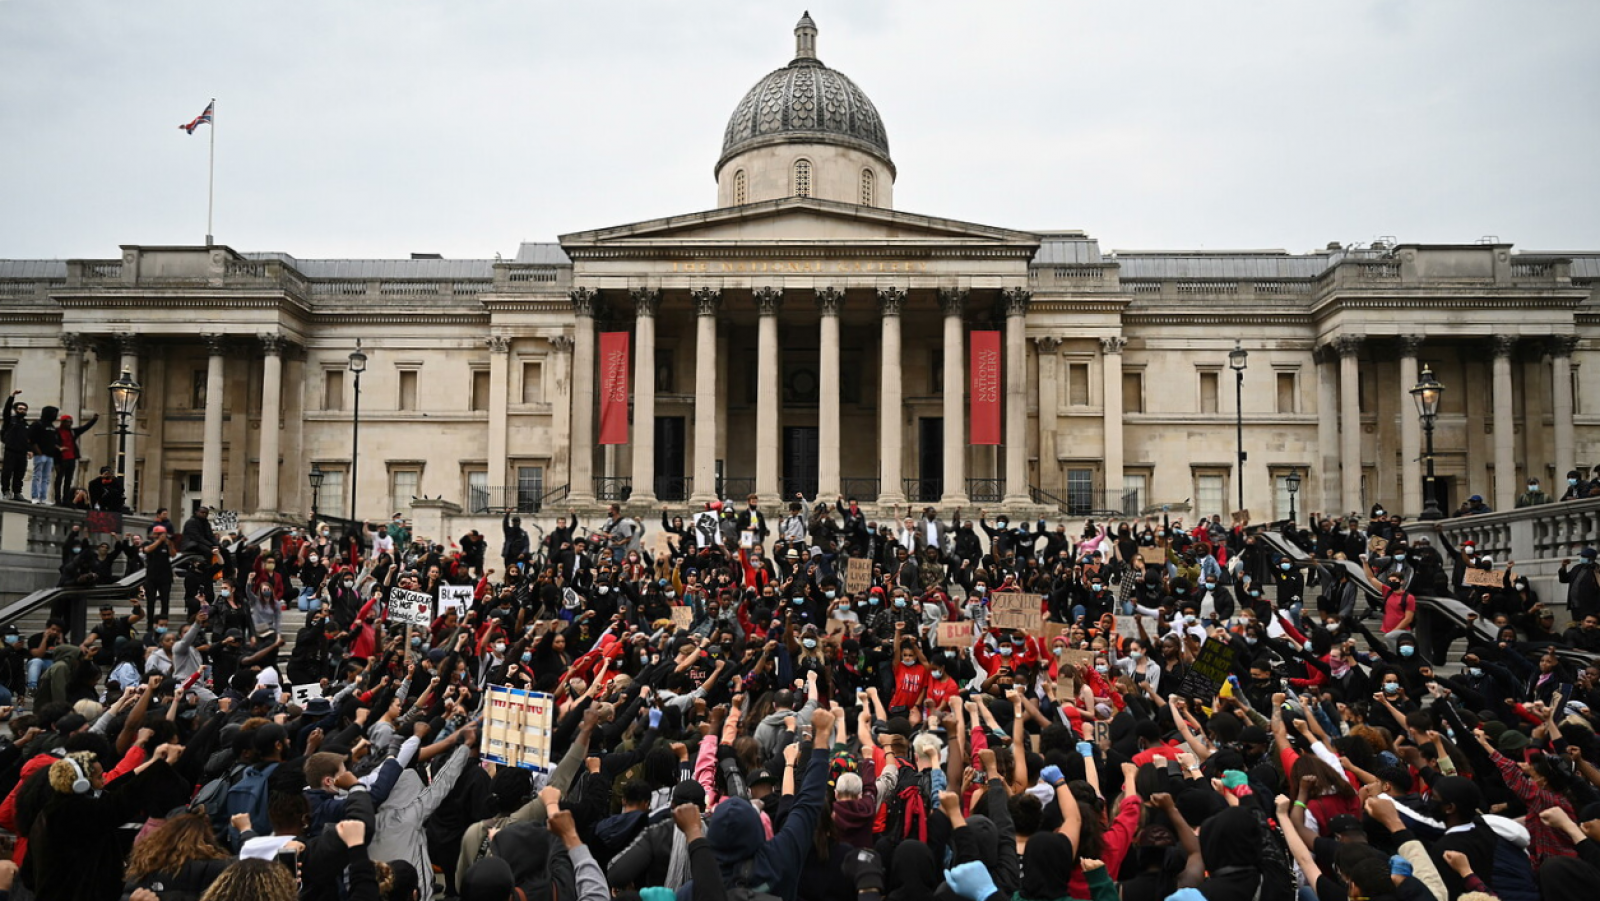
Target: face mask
[1391,688]
[311,560]
[1095,587]
[1255,593]
[1211,586]
[1407,650]
[671,594]
[12,639]
[161,630]
[1137,655]
[605,589]
[499,647]
[1572,481]
[899,602]
[416,642]
[936,673]
[1101,668]
[527,656]
[1250,640]
[224,593]
[1189,619]
[1533,486]
[829,594]
[1005,650]
[808,643]
[1400,557]
[269,567]
[1475,672]
[1377,513]
[1331,627]
[979,589]
[797,601]
[872,601]
[1286,566]
[909,662]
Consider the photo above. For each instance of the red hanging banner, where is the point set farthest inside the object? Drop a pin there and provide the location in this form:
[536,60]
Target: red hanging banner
[986,375]
[614,387]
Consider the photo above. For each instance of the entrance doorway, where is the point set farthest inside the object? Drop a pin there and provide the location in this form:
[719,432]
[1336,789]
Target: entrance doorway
[670,438]
[930,459]
[800,461]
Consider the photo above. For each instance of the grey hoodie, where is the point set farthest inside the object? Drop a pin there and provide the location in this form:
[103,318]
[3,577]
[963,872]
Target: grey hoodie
[770,730]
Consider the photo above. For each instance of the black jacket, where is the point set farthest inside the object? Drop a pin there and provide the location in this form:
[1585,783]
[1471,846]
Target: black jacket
[42,435]
[14,431]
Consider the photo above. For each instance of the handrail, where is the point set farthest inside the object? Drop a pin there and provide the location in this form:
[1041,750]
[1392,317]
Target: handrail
[119,589]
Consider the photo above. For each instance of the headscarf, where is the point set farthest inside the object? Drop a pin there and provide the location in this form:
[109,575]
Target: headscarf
[913,873]
[1047,866]
[489,879]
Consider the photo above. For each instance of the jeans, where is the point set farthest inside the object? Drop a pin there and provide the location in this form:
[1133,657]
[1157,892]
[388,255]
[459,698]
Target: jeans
[36,668]
[308,601]
[41,476]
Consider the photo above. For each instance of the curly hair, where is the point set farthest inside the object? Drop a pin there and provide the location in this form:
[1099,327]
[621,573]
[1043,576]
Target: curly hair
[62,773]
[253,880]
[184,838]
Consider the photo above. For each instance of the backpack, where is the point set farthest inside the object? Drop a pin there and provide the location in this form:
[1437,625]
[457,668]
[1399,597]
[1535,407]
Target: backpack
[248,795]
[742,890]
[906,814]
[214,794]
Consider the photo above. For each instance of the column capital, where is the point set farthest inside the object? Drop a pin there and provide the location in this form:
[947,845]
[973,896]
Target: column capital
[953,300]
[1047,344]
[646,301]
[707,301]
[73,342]
[1563,345]
[216,345]
[562,344]
[1347,345]
[890,300]
[272,345]
[1504,345]
[768,300]
[1113,344]
[585,301]
[498,344]
[1410,344]
[1016,301]
[128,344]
[830,301]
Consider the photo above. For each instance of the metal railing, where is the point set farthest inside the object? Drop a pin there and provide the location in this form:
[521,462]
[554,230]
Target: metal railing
[736,489]
[923,491]
[528,498]
[987,491]
[674,488]
[1088,503]
[613,489]
[865,490]
[791,487]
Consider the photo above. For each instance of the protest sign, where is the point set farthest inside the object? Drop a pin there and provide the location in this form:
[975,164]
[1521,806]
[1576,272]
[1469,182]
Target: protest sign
[413,608]
[747,539]
[102,521]
[1075,659]
[1210,668]
[1484,578]
[1126,627]
[301,694]
[1049,631]
[707,531]
[455,597]
[224,521]
[836,627]
[955,635]
[1015,610]
[857,575]
[661,547]
[1153,556]
[682,617]
[516,728]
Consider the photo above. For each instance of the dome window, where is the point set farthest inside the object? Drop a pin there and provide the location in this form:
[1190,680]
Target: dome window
[740,191]
[866,187]
[802,178]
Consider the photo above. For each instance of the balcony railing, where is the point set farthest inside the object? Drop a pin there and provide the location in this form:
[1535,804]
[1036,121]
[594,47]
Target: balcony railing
[863,490]
[986,491]
[531,497]
[613,489]
[674,488]
[1088,502]
[923,491]
[736,489]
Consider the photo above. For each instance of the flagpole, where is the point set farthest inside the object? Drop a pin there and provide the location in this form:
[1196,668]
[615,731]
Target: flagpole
[211,172]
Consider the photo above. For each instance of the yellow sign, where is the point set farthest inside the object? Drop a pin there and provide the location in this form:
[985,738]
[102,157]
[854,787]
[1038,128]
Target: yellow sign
[796,267]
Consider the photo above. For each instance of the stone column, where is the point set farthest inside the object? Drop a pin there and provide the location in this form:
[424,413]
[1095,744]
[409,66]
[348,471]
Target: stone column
[1505,431]
[211,449]
[272,347]
[1016,302]
[72,387]
[768,302]
[1049,402]
[1349,424]
[1111,415]
[830,301]
[1327,431]
[1561,412]
[1412,501]
[580,481]
[953,301]
[499,403]
[128,347]
[646,301]
[891,430]
[560,394]
[707,301]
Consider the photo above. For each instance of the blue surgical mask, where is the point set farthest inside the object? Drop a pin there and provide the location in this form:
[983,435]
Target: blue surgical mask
[1475,672]
[1407,650]
[1095,587]
[1400,558]
[527,656]
[808,643]
[873,601]
[936,673]
[416,641]
[797,600]
[1286,566]
[161,630]
[1102,668]
[1391,688]
[1255,592]
[829,594]
[1005,650]
[899,602]
[12,639]
[1211,586]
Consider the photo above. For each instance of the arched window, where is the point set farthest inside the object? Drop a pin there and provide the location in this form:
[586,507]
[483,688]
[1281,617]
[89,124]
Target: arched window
[802,178]
[739,191]
[866,187]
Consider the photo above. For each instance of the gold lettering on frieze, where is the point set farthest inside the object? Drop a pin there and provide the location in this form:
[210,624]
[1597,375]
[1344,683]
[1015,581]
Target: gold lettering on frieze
[798,267]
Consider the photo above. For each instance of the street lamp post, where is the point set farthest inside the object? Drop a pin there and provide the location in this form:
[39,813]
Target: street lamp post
[124,400]
[1427,393]
[316,476]
[1236,361]
[358,365]
[1292,482]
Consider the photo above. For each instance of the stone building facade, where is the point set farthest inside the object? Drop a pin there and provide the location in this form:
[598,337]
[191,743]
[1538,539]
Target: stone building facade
[806,336]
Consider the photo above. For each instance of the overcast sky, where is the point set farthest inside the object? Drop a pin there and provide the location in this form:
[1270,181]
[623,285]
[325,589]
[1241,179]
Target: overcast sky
[375,128]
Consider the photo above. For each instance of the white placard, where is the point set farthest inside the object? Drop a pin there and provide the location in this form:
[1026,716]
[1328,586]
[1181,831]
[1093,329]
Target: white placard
[707,529]
[413,608]
[455,597]
[302,694]
[224,521]
[517,726]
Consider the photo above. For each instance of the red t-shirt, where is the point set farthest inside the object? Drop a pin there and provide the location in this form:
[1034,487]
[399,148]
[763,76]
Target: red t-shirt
[940,689]
[909,681]
[1396,604]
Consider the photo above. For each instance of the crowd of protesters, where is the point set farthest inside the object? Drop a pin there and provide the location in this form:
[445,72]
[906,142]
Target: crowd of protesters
[732,722]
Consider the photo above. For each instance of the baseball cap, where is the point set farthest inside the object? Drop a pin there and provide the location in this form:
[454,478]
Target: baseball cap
[263,696]
[761,777]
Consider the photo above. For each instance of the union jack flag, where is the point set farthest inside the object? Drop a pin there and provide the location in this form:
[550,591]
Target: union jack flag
[202,119]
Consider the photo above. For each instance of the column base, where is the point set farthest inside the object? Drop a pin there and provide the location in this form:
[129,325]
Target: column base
[643,498]
[1016,500]
[955,500]
[890,500]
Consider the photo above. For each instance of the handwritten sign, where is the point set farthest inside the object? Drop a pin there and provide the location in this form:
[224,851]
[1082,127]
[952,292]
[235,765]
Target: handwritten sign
[224,521]
[682,617]
[455,597]
[1210,668]
[302,694]
[1484,578]
[1153,556]
[836,627]
[1075,659]
[517,726]
[857,575]
[661,546]
[954,635]
[1015,610]
[413,608]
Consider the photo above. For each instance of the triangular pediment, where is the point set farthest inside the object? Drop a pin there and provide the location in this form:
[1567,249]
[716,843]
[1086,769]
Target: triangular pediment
[797,220]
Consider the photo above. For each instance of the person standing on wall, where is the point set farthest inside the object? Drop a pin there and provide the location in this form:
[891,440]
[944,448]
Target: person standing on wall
[67,456]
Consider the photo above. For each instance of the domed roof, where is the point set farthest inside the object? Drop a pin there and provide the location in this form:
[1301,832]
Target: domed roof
[805,101]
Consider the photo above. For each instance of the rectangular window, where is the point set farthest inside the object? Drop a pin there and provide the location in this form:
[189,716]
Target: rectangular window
[1078,384]
[1135,492]
[664,371]
[1208,392]
[197,390]
[1132,392]
[480,389]
[403,485]
[408,389]
[5,384]
[530,487]
[1280,496]
[1287,391]
[1080,492]
[533,382]
[333,494]
[478,491]
[332,389]
[1210,494]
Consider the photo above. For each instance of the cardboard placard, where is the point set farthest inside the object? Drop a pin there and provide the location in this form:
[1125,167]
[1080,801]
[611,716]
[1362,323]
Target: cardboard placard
[1484,578]
[1377,545]
[1209,670]
[455,597]
[413,608]
[1126,628]
[954,635]
[301,694]
[1102,733]
[1050,631]
[836,627]
[1015,610]
[747,539]
[1240,517]
[661,546]
[1074,658]
[857,575]
[1156,556]
[516,728]
[682,617]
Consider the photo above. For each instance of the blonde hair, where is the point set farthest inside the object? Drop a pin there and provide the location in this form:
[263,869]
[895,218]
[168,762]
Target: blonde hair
[88,709]
[253,880]
[63,774]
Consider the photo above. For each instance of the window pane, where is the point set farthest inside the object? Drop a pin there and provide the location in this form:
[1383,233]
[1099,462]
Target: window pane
[533,383]
[480,390]
[408,390]
[1286,392]
[1078,384]
[1080,492]
[477,490]
[1280,497]
[1208,495]
[332,495]
[530,485]
[333,389]
[1132,392]
[405,488]
[1134,483]
[1208,392]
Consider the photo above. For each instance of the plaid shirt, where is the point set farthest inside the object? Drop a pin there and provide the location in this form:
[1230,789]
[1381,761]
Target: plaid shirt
[1543,842]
